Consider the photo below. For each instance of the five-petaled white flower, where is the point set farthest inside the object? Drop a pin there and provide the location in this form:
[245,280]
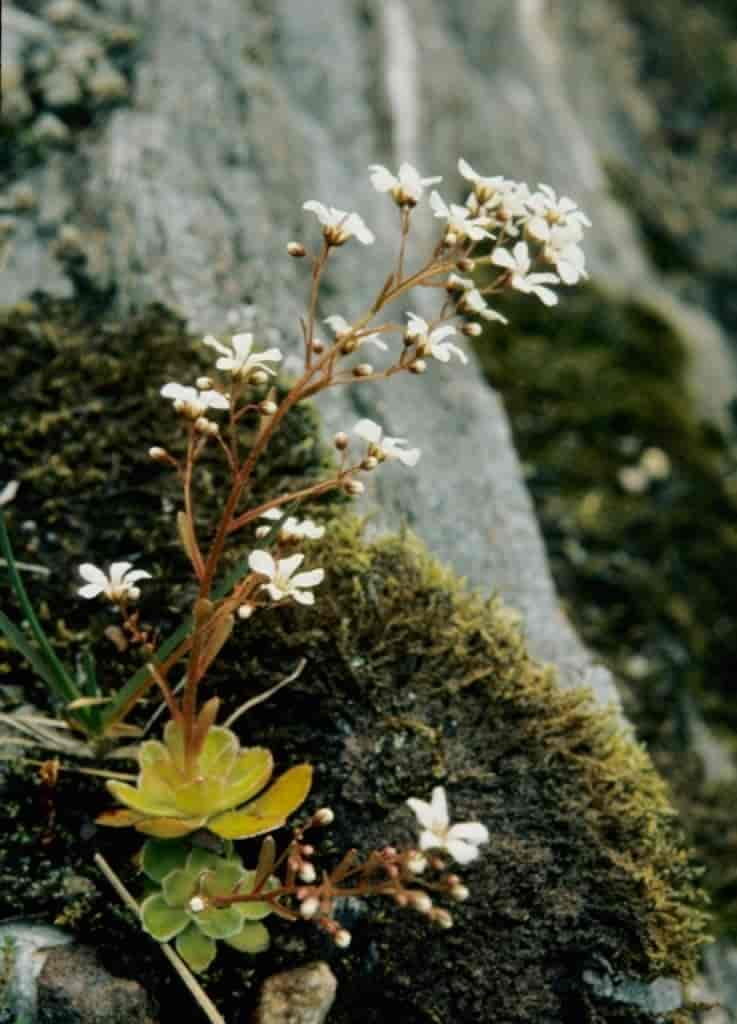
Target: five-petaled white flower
[282,581]
[339,225]
[460,841]
[237,357]
[341,329]
[547,209]
[564,252]
[504,196]
[519,263]
[430,343]
[472,302]
[460,222]
[117,586]
[193,403]
[388,448]
[406,187]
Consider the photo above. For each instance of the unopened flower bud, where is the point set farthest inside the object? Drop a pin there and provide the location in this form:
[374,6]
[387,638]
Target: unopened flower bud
[348,346]
[341,441]
[421,902]
[202,425]
[325,816]
[296,249]
[204,383]
[419,366]
[246,611]
[307,872]
[158,454]
[309,907]
[409,340]
[423,348]
[342,938]
[471,329]
[363,370]
[307,850]
[466,265]
[258,377]
[442,917]
[353,488]
[417,863]
[318,347]
[451,238]
[401,899]
[267,407]
[196,904]
[369,463]
[460,893]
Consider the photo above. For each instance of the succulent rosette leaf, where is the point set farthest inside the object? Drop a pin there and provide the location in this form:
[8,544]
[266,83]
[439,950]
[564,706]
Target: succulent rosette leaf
[185,908]
[215,790]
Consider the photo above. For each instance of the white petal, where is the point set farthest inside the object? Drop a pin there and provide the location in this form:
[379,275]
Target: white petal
[303,596]
[136,575]
[470,831]
[318,209]
[466,170]
[423,811]
[430,840]
[539,228]
[546,296]
[274,592]
[118,571]
[444,331]
[94,575]
[439,804]
[338,324]
[275,514]
[8,492]
[214,399]
[90,590]
[286,566]
[356,226]
[416,326]
[522,256]
[382,179]
[369,431]
[179,392]
[242,345]
[409,458]
[438,206]
[261,561]
[308,579]
[462,852]
[503,258]
[374,339]
[214,343]
[271,355]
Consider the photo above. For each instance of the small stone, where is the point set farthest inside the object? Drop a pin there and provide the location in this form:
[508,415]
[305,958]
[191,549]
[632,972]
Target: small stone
[106,84]
[61,88]
[73,988]
[50,129]
[23,198]
[64,12]
[302,996]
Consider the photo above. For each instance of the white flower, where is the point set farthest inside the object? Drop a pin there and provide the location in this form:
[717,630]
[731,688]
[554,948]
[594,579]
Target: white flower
[341,328]
[430,343]
[282,581]
[459,219]
[406,188]
[473,302]
[506,197]
[460,841]
[338,225]
[386,447]
[522,280]
[238,358]
[293,528]
[192,402]
[563,251]
[547,209]
[8,492]
[117,586]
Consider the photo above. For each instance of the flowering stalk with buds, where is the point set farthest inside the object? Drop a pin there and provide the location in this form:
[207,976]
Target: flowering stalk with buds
[199,779]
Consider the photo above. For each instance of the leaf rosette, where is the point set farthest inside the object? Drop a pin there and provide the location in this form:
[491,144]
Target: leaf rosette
[185,906]
[221,788]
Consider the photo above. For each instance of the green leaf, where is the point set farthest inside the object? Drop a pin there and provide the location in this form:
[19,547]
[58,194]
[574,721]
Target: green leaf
[218,922]
[197,950]
[161,856]
[179,887]
[200,860]
[161,920]
[268,811]
[251,772]
[255,910]
[224,879]
[253,938]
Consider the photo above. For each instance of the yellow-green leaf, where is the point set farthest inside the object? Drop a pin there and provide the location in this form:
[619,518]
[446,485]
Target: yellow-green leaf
[169,828]
[197,950]
[161,920]
[202,796]
[119,818]
[251,772]
[136,799]
[253,938]
[162,856]
[219,752]
[268,811]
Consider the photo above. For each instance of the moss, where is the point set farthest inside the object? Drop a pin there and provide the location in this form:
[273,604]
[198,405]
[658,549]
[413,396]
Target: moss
[409,682]
[650,579]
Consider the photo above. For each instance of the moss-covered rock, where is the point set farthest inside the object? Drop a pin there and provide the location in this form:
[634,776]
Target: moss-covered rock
[646,566]
[409,682]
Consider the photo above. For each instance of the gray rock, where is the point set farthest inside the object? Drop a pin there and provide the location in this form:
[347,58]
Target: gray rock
[74,989]
[61,88]
[50,129]
[24,948]
[301,996]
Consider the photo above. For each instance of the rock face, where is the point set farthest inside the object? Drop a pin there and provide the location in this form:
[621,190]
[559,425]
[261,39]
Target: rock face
[74,989]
